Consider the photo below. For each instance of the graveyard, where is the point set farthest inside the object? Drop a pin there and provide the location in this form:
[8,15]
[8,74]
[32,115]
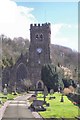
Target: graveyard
[4,98]
[40,75]
[58,109]
[47,105]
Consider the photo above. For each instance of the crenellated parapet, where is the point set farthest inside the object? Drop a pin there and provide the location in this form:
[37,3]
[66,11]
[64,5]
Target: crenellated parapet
[39,25]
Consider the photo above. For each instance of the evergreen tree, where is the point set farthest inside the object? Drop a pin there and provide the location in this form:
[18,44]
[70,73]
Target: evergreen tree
[50,77]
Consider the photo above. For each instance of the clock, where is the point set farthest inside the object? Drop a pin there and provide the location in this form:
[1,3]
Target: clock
[39,50]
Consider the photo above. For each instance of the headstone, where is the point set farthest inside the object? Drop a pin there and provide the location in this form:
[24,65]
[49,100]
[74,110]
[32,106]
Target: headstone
[37,105]
[0,84]
[38,102]
[47,104]
[51,91]
[59,89]
[0,101]
[62,100]
[5,90]
[50,98]
[35,92]
[14,89]
[45,92]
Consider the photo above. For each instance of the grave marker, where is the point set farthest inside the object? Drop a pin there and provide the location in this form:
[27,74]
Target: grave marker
[45,92]
[5,90]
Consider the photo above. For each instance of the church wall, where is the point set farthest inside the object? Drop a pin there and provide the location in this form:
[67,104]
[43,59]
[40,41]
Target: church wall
[39,54]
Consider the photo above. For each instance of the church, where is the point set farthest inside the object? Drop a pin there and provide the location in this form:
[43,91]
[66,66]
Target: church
[28,67]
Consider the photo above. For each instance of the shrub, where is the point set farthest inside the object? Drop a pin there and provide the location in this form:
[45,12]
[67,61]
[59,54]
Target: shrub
[66,91]
[72,89]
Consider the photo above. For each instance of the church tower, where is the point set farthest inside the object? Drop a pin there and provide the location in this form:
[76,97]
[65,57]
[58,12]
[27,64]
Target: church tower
[39,51]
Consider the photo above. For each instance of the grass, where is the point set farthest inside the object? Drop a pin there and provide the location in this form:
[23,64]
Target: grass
[59,109]
[4,98]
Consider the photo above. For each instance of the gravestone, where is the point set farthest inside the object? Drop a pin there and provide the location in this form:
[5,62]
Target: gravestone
[45,92]
[59,89]
[0,101]
[0,84]
[5,90]
[37,105]
[14,89]
[38,102]
[51,91]
[62,99]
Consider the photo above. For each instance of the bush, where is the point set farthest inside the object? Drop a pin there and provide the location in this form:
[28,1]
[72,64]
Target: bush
[66,91]
[72,89]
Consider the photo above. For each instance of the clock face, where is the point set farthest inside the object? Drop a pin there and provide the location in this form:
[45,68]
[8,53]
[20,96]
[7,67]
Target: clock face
[39,50]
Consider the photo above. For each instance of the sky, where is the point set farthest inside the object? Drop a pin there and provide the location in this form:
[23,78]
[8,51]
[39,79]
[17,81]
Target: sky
[16,17]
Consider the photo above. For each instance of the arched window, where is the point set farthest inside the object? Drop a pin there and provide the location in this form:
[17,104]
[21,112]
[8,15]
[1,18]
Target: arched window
[41,36]
[39,85]
[37,36]
[21,72]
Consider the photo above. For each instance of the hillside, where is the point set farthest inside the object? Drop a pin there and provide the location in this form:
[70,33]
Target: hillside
[11,50]
[64,55]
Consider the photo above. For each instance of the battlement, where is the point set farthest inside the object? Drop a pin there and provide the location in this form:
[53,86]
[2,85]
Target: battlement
[39,25]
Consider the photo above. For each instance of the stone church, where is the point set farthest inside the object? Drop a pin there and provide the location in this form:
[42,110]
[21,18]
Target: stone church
[28,67]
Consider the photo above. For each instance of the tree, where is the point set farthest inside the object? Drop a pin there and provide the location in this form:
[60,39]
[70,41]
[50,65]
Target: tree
[66,82]
[27,84]
[60,73]
[78,89]
[46,76]
[11,61]
[50,77]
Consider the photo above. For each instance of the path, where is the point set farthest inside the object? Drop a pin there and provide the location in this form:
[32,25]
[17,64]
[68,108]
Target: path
[18,109]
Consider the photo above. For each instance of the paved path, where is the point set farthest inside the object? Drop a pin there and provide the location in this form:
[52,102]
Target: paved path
[18,109]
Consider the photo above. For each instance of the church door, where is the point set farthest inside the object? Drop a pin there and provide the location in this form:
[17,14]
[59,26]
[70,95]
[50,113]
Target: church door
[39,85]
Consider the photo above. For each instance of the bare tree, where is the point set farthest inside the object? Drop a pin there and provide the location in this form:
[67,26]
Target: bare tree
[27,84]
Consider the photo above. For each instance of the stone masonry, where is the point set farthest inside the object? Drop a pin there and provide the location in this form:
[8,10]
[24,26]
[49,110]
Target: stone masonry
[29,66]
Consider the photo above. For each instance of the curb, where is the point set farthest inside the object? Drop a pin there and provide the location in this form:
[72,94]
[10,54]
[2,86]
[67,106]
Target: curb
[3,108]
[16,97]
[36,115]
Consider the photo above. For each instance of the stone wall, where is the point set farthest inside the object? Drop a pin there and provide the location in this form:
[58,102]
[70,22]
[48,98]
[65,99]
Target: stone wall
[39,54]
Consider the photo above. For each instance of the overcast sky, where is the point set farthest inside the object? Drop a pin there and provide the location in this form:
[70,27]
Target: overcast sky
[16,17]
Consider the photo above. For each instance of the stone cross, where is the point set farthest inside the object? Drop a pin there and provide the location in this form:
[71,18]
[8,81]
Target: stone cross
[45,92]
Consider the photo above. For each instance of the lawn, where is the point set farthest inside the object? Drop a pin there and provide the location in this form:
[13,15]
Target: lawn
[59,109]
[4,98]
